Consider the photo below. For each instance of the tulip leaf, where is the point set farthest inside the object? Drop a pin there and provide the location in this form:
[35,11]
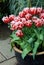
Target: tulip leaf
[26,51]
[36,45]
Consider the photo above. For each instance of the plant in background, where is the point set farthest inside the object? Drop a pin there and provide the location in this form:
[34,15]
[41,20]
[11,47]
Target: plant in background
[27,30]
[4,10]
[16,6]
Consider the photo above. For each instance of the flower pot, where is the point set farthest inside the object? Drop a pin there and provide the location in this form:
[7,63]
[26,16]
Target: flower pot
[39,59]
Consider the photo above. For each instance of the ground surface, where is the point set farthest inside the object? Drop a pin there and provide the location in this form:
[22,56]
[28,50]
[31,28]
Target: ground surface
[6,56]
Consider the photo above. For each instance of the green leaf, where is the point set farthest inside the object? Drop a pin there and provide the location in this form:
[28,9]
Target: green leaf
[30,40]
[14,38]
[41,36]
[22,44]
[26,51]
[12,45]
[36,32]
[36,45]
[43,45]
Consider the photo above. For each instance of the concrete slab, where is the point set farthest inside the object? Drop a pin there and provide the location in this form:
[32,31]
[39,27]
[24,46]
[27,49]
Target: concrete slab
[12,61]
[2,58]
[5,48]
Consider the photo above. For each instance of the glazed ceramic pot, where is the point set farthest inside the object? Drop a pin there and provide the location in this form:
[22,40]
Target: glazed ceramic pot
[39,59]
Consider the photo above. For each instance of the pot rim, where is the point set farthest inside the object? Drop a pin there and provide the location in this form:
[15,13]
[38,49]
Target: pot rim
[19,51]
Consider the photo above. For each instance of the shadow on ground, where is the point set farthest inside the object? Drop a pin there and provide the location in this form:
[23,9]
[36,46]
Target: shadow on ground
[4,31]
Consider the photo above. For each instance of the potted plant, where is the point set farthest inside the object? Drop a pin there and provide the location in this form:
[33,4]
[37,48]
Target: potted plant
[27,37]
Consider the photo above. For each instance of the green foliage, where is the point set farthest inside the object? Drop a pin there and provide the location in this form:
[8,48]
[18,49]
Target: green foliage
[18,5]
[36,45]
[26,50]
[37,3]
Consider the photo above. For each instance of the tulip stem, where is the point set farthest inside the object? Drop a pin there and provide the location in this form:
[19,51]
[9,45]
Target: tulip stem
[29,3]
[37,3]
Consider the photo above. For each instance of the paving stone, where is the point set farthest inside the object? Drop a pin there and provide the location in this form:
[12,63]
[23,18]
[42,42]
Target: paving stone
[5,48]
[12,61]
[4,41]
[2,58]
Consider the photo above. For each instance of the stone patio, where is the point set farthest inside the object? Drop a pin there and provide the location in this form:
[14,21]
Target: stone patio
[6,56]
